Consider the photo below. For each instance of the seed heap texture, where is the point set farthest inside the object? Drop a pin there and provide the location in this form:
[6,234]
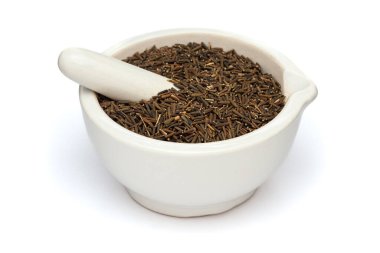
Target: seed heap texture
[221,95]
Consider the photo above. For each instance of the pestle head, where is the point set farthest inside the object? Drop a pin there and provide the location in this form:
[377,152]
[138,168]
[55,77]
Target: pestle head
[109,76]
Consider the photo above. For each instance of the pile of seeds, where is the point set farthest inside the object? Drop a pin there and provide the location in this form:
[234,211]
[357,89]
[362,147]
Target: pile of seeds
[221,95]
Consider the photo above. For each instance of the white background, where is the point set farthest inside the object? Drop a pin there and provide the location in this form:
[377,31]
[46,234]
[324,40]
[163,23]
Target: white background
[55,195]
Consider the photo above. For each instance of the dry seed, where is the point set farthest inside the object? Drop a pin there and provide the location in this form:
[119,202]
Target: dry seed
[221,95]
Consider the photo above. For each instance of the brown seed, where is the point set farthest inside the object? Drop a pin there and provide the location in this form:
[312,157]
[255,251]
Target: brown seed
[221,95]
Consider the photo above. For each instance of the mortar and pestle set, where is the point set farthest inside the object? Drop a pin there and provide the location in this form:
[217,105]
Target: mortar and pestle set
[181,179]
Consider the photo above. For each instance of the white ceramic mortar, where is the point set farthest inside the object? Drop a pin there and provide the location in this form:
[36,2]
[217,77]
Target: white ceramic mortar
[199,179]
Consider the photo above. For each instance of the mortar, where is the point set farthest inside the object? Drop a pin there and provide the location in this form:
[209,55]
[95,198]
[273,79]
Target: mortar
[186,180]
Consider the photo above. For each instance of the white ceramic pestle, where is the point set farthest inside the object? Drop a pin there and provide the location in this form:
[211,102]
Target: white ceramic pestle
[109,76]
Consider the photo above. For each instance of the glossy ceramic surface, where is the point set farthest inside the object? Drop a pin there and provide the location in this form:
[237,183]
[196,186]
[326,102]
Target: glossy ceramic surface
[199,179]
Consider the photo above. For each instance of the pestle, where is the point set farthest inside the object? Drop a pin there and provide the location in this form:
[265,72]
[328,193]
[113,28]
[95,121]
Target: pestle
[109,76]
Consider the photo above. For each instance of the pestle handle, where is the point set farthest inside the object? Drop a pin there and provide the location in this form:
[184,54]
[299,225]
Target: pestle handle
[109,76]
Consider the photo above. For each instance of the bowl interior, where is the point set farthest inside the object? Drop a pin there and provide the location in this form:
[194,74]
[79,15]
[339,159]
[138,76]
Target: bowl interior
[270,61]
